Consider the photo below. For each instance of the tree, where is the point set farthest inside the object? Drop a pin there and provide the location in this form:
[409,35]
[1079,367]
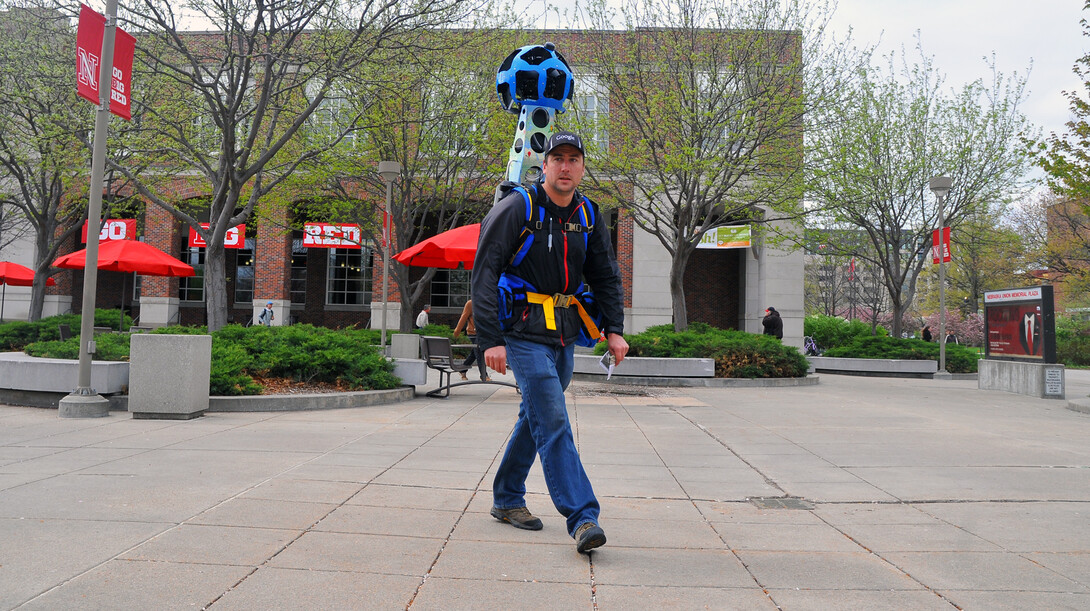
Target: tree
[227,109]
[987,255]
[43,183]
[1066,158]
[876,153]
[709,99]
[437,116]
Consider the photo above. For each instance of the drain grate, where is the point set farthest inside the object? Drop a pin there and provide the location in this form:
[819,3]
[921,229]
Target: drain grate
[781,502]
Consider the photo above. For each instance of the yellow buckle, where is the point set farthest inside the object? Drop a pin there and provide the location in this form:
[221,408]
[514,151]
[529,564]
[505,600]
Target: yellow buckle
[562,301]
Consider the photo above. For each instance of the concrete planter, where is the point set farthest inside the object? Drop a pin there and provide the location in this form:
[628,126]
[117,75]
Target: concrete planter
[887,367]
[647,367]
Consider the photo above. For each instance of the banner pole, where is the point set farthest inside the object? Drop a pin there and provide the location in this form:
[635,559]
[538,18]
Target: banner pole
[84,402]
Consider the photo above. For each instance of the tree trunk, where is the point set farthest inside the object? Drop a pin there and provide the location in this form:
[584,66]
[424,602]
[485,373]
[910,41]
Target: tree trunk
[41,269]
[215,285]
[677,288]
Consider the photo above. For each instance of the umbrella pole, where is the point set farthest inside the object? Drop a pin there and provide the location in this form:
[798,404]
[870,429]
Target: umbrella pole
[3,298]
[121,319]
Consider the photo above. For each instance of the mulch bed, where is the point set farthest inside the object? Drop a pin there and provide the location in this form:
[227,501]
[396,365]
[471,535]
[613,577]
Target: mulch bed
[288,386]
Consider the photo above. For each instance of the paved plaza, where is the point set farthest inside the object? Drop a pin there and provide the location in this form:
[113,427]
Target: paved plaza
[856,493]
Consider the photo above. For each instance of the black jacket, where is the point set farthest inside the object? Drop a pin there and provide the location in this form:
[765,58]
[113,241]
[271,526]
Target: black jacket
[557,270]
[773,325]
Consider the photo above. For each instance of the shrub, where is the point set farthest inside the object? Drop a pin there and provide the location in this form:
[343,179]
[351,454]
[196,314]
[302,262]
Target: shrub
[834,331]
[1072,341]
[959,359]
[737,354]
[16,335]
[299,352]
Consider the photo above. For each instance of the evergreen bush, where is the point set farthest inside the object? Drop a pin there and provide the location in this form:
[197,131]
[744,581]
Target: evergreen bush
[959,359]
[737,354]
[1073,341]
[834,331]
[304,353]
[15,335]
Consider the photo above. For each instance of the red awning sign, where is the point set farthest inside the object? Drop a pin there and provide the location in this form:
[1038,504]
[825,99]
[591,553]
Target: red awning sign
[92,28]
[330,235]
[234,238]
[114,229]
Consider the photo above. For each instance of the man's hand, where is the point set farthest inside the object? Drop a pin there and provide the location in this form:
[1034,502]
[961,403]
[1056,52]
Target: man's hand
[457,334]
[496,358]
[617,346]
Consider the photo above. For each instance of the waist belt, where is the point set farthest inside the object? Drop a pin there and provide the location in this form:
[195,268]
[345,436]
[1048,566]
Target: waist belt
[558,300]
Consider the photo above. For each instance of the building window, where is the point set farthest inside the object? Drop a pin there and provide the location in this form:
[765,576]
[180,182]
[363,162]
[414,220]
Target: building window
[192,288]
[298,270]
[591,101]
[244,274]
[450,288]
[348,277]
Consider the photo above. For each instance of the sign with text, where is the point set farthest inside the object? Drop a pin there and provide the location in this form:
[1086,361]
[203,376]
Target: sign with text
[331,235]
[734,236]
[92,28]
[234,238]
[113,229]
[1020,324]
[945,246]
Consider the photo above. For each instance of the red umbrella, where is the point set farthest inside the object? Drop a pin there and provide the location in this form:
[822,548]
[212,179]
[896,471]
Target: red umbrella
[128,256]
[447,250]
[16,275]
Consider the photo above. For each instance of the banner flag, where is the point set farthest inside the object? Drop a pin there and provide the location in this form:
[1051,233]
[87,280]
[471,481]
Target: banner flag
[92,28]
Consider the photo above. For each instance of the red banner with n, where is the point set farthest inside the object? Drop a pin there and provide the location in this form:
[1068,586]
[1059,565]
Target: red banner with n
[92,28]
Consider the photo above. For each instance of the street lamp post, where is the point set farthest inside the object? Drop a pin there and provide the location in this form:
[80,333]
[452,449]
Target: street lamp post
[940,186]
[84,402]
[389,171]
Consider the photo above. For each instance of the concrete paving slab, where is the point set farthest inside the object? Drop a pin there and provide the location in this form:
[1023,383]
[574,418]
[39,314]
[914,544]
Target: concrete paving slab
[656,533]
[659,510]
[860,600]
[784,537]
[825,571]
[1018,601]
[747,513]
[390,521]
[635,566]
[1074,566]
[487,560]
[381,495]
[608,596]
[200,544]
[289,488]
[937,537]
[675,467]
[38,554]
[382,554]
[453,594]
[1055,526]
[982,571]
[129,584]
[248,512]
[276,588]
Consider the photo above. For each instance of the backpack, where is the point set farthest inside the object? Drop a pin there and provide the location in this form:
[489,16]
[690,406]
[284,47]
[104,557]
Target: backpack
[514,288]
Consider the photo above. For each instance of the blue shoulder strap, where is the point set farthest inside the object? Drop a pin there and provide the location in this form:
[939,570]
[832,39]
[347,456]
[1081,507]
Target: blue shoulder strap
[527,235]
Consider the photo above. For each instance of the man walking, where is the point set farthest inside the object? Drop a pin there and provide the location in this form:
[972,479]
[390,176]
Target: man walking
[526,317]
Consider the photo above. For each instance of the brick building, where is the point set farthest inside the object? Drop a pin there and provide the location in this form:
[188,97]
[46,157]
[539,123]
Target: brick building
[338,285]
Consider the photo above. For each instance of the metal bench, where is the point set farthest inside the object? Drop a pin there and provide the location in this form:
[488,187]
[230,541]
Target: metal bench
[438,356]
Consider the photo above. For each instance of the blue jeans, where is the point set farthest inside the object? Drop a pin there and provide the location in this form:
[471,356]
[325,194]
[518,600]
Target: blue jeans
[543,373]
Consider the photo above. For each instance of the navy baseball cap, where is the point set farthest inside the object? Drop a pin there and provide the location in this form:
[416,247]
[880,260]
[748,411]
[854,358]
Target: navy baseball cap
[565,138]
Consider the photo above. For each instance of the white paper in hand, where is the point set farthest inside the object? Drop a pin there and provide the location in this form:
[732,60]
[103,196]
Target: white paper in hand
[607,363]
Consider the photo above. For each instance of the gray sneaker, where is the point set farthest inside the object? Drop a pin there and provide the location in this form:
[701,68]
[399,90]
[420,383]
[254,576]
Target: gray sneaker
[589,536]
[519,517]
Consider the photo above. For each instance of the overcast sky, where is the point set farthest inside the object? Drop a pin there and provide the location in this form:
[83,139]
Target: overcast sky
[960,33]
